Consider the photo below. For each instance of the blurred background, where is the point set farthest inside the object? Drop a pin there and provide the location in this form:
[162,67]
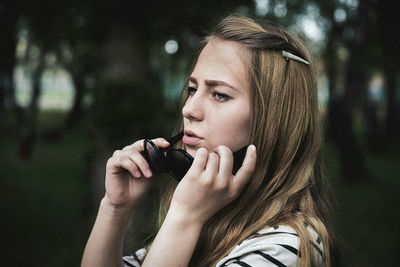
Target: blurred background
[81,78]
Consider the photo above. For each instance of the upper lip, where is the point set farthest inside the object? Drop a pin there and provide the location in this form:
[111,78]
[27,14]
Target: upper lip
[191,134]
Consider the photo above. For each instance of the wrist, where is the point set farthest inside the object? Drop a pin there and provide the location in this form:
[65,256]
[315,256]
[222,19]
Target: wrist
[176,238]
[184,219]
[116,211]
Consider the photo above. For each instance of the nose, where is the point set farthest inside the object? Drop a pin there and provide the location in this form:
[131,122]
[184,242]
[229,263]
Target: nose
[193,109]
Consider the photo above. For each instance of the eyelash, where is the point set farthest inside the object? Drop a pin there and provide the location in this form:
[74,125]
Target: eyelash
[216,95]
[191,90]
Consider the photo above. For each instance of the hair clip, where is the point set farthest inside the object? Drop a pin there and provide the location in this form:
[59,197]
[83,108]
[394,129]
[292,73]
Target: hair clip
[288,56]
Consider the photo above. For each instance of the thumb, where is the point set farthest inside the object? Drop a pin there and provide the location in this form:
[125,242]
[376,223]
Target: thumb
[161,142]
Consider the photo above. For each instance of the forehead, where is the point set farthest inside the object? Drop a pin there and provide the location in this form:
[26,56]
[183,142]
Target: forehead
[223,60]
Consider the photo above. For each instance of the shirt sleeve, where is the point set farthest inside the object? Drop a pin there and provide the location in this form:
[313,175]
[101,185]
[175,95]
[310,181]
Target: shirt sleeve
[134,260]
[274,247]
[274,256]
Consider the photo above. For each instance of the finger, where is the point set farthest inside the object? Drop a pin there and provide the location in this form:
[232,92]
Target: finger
[246,170]
[226,160]
[199,162]
[121,163]
[142,164]
[138,145]
[131,167]
[211,170]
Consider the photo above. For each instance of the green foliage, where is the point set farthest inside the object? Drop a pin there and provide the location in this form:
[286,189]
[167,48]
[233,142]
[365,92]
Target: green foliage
[44,202]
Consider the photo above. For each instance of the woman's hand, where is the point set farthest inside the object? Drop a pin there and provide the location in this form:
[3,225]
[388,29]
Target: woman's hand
[128,175]
[128,178]
[209,185]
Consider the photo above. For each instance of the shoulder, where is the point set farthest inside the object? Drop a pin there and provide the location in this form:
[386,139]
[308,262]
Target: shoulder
[271,246]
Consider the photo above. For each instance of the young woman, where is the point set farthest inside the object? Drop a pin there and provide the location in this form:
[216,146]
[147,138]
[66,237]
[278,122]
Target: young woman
[253,87]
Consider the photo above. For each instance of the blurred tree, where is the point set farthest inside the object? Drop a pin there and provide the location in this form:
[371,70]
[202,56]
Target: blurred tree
[352,34]
[355,89]
[77,53]
[9,15]
[54,28]
[45,36]
[389,35]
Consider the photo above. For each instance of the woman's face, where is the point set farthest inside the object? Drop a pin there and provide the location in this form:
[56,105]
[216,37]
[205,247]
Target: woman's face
[217,111]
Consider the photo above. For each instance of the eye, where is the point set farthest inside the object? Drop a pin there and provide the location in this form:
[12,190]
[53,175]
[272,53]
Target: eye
[221,97]
[191,91]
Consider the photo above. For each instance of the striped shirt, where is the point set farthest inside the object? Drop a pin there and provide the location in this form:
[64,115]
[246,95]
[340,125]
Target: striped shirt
[271,246]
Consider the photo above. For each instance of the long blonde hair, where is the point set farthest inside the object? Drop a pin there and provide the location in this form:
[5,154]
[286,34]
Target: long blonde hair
[287,186]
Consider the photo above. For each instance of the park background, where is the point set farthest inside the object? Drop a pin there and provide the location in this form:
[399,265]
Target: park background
[79,79]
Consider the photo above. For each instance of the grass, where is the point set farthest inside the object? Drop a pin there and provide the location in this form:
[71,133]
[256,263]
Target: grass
[44,202]
[367,213]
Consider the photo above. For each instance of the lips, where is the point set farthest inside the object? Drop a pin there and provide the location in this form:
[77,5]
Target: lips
[191,138]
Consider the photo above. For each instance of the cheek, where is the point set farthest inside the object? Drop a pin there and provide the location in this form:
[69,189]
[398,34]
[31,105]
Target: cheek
[243,129]
[234,131]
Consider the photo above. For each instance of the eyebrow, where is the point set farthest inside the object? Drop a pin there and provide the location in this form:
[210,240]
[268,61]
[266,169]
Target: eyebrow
[214,83]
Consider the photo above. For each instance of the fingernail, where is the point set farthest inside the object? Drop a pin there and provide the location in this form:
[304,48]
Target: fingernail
[200,150]
[148,173]
[137,174]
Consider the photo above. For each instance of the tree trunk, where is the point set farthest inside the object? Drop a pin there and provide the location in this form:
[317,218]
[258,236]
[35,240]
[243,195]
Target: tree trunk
[8,20]
[123,62]
[372,125]
[331,62]
[28,130]
[392,130]
[390,36]
[74,116]
[342,109]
